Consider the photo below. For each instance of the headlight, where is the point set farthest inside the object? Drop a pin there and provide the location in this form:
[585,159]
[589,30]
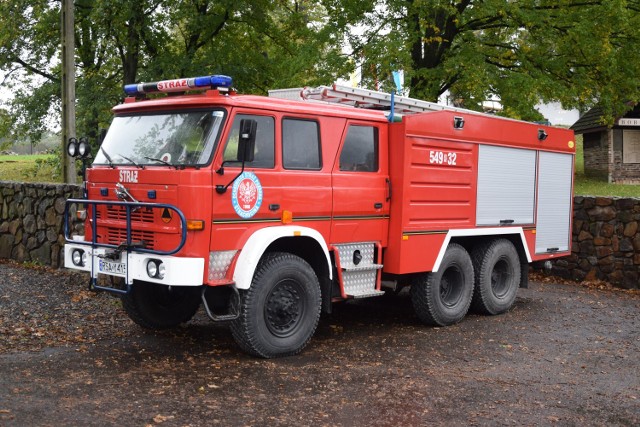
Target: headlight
[155,269]
[152,268]
[78,257]
[161,270]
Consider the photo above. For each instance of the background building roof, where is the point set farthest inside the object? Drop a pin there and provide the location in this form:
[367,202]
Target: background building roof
[589,122]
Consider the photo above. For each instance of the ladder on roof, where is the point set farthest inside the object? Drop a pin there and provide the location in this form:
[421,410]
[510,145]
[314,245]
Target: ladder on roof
[362,98]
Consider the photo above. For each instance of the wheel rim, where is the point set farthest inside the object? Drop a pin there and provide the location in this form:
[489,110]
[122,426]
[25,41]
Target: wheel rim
[284,308]
[500,278]
[451,286]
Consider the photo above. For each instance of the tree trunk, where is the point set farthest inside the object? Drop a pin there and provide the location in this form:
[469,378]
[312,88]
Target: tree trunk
[430,43]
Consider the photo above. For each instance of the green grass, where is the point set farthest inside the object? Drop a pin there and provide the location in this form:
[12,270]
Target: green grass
[28,168]
[591,187]
[579,156]
[585,186]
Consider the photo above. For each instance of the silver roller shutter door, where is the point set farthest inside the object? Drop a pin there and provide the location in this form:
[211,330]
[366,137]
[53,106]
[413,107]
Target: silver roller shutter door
[506,185]
[554,202]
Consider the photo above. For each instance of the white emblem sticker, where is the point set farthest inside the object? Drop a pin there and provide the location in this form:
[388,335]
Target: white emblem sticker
[246,195]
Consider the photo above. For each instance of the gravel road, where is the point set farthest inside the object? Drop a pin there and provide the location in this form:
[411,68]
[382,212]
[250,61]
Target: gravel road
[565,354]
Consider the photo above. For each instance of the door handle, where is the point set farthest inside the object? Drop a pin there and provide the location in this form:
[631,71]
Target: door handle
[274,207]
[388,188]
[377,205]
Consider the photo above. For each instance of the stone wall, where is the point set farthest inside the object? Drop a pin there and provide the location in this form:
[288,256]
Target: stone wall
[606,242]
[31,221]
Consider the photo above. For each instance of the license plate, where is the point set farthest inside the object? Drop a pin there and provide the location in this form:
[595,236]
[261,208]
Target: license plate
[110,267]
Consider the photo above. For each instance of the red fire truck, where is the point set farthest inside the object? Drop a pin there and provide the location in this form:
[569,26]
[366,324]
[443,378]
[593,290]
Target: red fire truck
[267,211]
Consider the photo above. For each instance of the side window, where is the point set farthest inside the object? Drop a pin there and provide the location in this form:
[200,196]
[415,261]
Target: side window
[360,150]
[265,142]
[300,144]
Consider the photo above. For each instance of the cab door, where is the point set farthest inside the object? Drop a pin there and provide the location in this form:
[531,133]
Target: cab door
[361,187]
[246,204]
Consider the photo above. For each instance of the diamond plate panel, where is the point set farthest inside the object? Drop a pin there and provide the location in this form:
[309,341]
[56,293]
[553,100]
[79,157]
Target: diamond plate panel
[345,253]
[219,263]
[359,282]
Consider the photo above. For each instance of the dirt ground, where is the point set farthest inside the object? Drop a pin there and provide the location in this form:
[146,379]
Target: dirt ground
[565,355]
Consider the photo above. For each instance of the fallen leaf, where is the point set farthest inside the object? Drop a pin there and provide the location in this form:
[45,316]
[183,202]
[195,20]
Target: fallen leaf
[162,418]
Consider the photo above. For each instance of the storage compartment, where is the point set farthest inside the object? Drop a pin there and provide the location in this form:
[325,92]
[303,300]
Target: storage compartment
[554,203]
[506,186]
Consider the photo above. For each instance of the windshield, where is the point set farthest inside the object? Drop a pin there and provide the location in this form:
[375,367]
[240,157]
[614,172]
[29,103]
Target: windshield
[176,139]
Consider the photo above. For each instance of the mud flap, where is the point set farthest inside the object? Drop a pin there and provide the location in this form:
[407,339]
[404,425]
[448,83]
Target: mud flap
[524,273]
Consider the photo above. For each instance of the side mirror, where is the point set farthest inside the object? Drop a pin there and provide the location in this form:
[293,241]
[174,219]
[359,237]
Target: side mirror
[246,146]
[247,140]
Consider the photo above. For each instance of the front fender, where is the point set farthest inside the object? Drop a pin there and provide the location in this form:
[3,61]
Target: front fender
[258,243]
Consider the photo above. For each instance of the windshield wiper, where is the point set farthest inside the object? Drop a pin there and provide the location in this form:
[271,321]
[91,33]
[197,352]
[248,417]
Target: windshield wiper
[158,160]
[107,157]
[134,163]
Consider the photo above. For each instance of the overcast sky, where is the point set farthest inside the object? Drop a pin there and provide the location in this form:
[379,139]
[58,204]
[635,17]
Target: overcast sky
[556,115]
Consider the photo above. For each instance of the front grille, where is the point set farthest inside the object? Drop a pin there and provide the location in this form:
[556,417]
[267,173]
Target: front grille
[116,236]
[119,213]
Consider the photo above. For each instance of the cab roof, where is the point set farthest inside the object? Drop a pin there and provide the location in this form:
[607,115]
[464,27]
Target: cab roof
[214,98]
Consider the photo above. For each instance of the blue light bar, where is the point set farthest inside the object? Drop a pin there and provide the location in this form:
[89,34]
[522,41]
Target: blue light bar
[131,89]
[220,80]
[202,81]
[180,85]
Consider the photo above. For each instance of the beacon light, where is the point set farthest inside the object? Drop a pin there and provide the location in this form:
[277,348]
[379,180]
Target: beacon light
[179,85]
[220,80]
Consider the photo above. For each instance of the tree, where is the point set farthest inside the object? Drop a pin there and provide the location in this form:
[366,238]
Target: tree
[29,38]
[261,44]
[520,51]
[5,126]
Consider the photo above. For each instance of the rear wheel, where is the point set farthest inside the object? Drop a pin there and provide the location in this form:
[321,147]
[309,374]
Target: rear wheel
[280,311]
[497,270]
[155,306]
[442,298]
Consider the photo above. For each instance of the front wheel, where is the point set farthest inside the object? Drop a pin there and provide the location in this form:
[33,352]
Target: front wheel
[155,306]
[280,311]
[442,298]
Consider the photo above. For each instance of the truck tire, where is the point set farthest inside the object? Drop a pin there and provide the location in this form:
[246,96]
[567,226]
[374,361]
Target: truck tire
[442,298]
[280,311]
[497,269]
[155,306]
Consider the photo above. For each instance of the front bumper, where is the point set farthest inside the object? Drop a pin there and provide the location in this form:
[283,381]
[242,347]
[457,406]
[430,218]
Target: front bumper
[132,265]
